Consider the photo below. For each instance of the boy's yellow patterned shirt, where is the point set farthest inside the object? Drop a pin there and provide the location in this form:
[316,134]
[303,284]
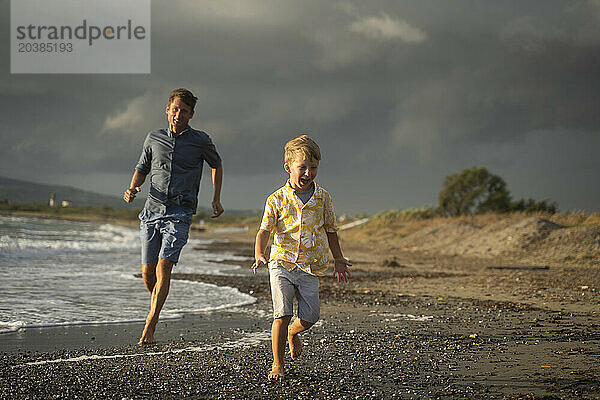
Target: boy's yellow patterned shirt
[299,230]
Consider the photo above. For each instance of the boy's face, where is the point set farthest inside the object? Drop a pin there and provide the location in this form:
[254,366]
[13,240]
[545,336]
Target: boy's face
[179,114]
[302,173]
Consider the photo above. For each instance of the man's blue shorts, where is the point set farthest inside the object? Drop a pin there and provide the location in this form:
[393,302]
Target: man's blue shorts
[164,235]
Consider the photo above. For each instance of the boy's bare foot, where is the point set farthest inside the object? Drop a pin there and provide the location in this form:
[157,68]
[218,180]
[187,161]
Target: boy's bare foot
[276,373]
[295,346]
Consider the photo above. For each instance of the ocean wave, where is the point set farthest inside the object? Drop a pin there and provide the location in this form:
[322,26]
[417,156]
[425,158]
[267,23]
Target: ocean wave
[79,306]
[25,247]
[61,273]
[14,326]
[167,315]
[27,241]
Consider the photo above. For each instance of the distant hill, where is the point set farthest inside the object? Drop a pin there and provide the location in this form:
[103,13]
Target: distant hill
[23,192]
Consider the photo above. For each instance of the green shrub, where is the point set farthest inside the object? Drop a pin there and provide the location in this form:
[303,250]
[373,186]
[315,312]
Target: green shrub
[391,216]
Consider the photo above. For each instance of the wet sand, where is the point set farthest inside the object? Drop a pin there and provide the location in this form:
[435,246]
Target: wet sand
[415,328]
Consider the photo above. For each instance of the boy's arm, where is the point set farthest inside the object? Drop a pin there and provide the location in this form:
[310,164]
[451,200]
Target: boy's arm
[341,264]
[262,239]
[134,187]
[217,178]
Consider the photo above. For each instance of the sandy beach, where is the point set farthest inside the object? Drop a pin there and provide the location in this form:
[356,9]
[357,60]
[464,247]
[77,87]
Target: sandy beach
[410,324]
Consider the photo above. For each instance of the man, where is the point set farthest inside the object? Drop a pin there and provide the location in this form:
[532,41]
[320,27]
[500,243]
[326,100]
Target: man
[174,158]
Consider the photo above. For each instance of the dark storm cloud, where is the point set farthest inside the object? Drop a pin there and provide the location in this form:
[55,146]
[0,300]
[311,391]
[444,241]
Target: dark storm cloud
[398,94]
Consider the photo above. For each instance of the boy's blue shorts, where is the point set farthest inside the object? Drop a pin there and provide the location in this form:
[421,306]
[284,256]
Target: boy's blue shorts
[164,235]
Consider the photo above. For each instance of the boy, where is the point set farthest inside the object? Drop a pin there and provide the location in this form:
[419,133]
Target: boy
[300,214]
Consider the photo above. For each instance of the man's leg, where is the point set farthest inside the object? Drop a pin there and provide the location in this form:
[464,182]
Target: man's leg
[279,331]
[151,240]
[159,295]
[149,276]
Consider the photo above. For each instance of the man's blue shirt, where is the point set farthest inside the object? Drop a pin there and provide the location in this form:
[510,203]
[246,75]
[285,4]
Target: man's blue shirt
[174,166]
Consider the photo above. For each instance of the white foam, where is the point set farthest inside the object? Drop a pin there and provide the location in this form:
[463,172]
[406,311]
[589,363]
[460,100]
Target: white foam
[12,326]
[247,340]
[234,229]
[7,327]
[191,266]
[24,243]
[406,317]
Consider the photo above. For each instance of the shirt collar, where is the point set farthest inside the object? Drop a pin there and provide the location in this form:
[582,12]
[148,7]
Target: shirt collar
[171,134]
[290,190]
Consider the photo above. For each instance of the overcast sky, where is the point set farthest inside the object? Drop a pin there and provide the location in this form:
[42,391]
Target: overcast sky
[398,94]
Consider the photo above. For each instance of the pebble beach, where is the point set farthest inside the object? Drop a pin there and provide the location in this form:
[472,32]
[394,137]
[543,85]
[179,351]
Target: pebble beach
[387,334]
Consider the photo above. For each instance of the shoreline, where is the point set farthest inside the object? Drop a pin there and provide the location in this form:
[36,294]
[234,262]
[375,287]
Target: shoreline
[81,338]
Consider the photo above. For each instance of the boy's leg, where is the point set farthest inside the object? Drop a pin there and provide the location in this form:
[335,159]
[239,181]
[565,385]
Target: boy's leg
[279,334]
[309,310]
[282,294]
[294,341]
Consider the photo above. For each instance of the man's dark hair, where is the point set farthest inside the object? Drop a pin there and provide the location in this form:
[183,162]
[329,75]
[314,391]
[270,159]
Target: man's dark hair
[184,95]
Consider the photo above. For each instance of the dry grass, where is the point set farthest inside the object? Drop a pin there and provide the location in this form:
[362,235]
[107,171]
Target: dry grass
[577,218]
[392,225]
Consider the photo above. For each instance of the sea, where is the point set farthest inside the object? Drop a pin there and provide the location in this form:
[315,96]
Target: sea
[57,272]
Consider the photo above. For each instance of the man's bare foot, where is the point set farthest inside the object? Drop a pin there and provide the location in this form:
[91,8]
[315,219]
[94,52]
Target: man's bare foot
[276,373]
[295,346]
[147,336]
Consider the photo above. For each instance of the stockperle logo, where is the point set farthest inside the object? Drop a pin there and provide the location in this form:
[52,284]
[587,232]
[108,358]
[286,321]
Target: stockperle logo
[80,36]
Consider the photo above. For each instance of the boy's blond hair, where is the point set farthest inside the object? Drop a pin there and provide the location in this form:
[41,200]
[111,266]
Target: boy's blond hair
[301,147]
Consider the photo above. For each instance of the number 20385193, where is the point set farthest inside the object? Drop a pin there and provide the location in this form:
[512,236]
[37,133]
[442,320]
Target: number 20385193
[43,47]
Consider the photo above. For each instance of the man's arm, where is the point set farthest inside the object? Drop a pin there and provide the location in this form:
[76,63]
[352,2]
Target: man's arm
[260,246]
[341,264]
[134,187]
[217,178]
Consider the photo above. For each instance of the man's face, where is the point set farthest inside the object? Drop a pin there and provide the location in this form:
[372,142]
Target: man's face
[179,114]
[302,173]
